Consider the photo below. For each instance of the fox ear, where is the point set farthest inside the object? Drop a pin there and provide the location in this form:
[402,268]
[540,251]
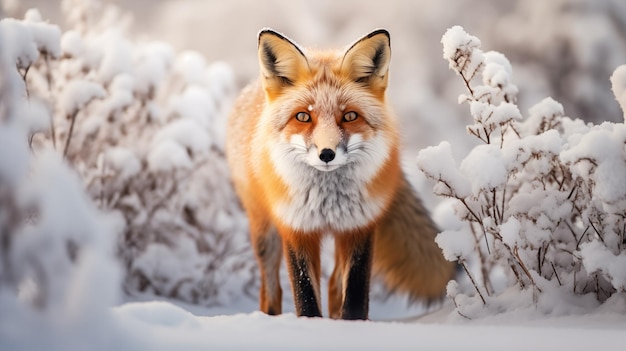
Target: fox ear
[282,62]
[367,60]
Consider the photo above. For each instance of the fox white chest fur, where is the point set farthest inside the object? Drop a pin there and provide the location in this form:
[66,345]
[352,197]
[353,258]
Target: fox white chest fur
[336,200]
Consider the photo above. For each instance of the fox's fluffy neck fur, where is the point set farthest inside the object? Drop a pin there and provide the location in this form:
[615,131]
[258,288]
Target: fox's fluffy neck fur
[335,201]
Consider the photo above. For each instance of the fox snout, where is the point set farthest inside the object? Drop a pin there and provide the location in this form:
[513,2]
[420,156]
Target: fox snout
[326,139]
[325,147]
[327,155]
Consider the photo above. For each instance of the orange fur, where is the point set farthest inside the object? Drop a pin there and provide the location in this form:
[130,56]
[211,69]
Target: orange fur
[280,125]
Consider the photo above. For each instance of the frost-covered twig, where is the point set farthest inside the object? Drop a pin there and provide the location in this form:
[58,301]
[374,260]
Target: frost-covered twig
[464,265]
[70,132]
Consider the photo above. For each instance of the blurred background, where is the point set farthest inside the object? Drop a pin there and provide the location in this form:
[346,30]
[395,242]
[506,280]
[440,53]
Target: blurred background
[566,49]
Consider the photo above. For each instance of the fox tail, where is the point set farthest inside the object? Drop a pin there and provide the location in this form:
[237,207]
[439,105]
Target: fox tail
[406,256]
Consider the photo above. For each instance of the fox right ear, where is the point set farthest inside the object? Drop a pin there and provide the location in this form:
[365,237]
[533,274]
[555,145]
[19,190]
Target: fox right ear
[282,62]
[367,60]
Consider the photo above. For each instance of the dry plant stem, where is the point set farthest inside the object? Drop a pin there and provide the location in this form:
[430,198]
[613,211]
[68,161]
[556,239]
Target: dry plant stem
[581,238]
[485,274]
[49,80]
[571,230]
[496,210]
[467,84]
[53,132]
[25,81]
[462,315]
[467,80]
[9,205]
[502,208]
[462,263]
[483,264]
[517,276]
[620,244]
[48,70]
[69,134]
[524,268]
[597,232]
[487,135]
[556,274]
[575,282]
[479,220]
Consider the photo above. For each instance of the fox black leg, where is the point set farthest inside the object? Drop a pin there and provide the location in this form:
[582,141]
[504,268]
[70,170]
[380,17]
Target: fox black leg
[357,282]
[303,267]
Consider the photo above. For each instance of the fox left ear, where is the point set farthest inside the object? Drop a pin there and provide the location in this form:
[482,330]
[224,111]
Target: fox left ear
[367,60]
[282,62]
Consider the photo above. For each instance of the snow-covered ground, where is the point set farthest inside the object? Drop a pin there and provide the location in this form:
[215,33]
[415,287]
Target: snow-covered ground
[143,180]
[164,326]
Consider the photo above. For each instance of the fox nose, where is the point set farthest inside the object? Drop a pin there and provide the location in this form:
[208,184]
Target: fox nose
[327,155]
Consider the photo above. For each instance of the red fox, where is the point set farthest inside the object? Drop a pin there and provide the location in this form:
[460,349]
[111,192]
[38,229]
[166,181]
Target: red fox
[314,150]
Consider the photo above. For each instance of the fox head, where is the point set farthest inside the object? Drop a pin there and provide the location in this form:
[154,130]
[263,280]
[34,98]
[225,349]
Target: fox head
[327,108]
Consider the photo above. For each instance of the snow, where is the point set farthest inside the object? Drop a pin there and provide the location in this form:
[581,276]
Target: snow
[86,287]
[35,117]
[510,231]
[117,55]
[190,66]
[160,262]
[546,108]
[123,160]
[438,163]
[163,326]
[498,69]
[186,132]
[595,257]
[78,93]
[153,64]
[455,244]
[71,43]
[456,39]
[121,95]
[16,31]
[485,167]
[196,105]
[287,332]
[618,85]
[13,154]
[45,36]
[603,146]
[168,155]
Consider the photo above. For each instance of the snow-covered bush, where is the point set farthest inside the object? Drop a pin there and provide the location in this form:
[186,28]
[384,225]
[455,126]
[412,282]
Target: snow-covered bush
[56,248]
[142,126]
[542,199]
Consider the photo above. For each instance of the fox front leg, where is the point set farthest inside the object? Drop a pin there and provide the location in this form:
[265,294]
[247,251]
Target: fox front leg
[267,247]
[302,254]
[354,256]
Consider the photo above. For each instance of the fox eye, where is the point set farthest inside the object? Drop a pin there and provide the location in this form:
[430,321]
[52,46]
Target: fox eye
[350,116]
[303,117]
